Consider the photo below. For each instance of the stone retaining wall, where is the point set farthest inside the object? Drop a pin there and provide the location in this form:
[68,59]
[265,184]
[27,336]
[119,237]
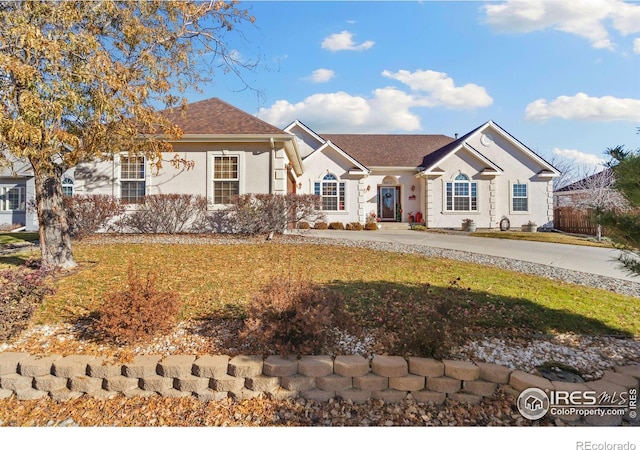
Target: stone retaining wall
[320,378]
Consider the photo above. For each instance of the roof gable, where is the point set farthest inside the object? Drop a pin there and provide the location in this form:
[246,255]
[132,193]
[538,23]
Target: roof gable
[330,145]
[388,150]
[214,116]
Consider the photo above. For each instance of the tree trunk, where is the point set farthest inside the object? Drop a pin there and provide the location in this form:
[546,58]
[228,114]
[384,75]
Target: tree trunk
[55,241]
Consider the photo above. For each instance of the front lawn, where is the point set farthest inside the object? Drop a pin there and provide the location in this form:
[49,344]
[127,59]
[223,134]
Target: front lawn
[18,238]
[557,238]
[379,287]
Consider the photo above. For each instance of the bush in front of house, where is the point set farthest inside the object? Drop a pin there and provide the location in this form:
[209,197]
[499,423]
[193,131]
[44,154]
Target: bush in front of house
[303,225]
[371,226]
[320,226]
[138,312]
[294,316]
[87,214]
[354,226]
[167,214]
[266,213]
[21,291]
[336,226]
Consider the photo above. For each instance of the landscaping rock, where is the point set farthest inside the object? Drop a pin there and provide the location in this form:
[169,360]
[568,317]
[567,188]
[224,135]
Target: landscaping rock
[211,366]
[278,366]
[351,366]
[371,383]
[426,367]
[461,370]
[444,384]
[521,380]
[315,366]
[494,372]
[71,366]
[176,366]
[389,366]
[407,383]
[9,362]
[35,366]
[142,366]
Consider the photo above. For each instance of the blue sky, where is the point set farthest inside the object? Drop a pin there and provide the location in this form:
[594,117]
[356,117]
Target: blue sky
[561,76]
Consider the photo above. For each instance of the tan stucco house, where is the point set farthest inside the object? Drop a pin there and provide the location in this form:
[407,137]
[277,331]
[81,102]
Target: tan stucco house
[485,175]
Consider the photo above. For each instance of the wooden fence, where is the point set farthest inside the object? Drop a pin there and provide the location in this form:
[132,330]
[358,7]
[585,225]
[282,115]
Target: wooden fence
[573,220]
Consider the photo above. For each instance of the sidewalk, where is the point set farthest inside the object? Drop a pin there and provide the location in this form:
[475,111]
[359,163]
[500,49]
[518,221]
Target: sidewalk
[595,260]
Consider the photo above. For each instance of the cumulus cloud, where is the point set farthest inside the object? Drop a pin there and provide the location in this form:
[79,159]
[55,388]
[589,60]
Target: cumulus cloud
[441,89]
[344,41]
[583,107]
[321,75]
[387,110]
[581,159]
[587,19]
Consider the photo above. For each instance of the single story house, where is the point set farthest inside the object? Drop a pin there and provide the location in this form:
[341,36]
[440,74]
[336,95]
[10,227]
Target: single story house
[576,193]
[486,175]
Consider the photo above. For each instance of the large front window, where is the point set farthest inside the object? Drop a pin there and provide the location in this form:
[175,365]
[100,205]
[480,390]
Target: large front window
[332,193]
[519,197]
[462,194]
[132,179]
[226,180]
[12,199]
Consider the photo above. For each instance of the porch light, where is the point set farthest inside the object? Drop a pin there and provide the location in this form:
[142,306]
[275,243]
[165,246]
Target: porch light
[413,187]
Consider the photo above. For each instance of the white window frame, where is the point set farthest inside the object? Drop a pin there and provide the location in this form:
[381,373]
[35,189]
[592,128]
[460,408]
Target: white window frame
[512,197]
[68,183]
[122,180]
[211,161]
[4,202]
[451,186]
[340,189]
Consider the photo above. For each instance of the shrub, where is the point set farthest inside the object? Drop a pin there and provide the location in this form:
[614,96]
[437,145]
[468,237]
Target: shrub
[266,213]
[371,226]
[354,226]
[320,226]
[336,226]
[167,213]
[303,225]
[139,312]
[86,214]
[418,228]
[21,291]
[293,315]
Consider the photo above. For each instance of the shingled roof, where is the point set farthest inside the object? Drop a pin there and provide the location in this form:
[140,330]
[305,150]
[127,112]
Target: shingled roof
[390,150]
[214,116]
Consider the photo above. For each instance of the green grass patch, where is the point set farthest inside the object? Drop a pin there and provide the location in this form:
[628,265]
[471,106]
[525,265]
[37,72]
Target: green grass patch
[379,287]
[18,238]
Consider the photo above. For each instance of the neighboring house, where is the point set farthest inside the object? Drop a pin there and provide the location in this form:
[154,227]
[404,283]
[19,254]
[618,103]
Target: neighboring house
[485,175]
[581,191]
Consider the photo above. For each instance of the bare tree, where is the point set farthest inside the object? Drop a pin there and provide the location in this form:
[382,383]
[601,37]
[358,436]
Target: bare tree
[598,194]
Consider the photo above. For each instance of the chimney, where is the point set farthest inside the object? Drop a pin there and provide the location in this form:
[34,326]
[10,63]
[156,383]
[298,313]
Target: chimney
[456,135]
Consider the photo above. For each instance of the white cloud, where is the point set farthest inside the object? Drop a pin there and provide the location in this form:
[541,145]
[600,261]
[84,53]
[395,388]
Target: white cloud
[441,89]
[586,18]
[344,41]
[636,46]
[321,75]
[583,107]
[582,159]
[388,110]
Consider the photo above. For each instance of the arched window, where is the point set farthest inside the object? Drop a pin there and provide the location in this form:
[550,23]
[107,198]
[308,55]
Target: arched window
[331,191]
[462,194]
[67,187]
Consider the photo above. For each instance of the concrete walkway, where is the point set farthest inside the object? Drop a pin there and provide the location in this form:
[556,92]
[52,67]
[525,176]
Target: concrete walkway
[596,260]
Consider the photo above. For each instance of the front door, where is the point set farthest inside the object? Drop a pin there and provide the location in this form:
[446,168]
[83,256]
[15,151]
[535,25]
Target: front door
[388,202]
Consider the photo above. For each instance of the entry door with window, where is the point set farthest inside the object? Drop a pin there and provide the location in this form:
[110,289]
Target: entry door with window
[388,202]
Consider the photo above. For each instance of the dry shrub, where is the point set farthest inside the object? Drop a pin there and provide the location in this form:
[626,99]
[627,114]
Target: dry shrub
[303,225]
[167,213]
[320,226]
[336,226]
[139,312]
[294,316]
[86,214]
[354,226]
[21,291]
[370,226]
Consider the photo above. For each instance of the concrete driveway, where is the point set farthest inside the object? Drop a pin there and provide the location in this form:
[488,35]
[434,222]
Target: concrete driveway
[596,260]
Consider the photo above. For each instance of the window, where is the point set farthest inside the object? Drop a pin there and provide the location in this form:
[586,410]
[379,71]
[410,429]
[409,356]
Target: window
[12,199]
[519,197]
[67,187]
[226,180]
[462,194]
[332,193]
[132,179]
